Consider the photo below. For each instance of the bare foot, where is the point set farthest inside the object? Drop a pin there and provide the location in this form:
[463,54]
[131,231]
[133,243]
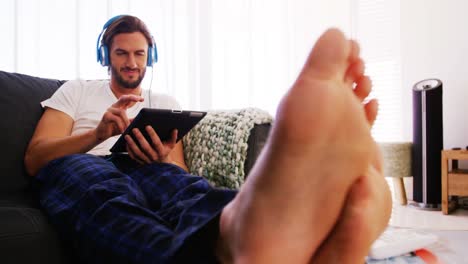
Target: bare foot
[364,217]
[368,204]
[319,146]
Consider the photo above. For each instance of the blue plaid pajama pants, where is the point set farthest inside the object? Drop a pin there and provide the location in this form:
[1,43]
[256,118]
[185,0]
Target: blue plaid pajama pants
[115,211]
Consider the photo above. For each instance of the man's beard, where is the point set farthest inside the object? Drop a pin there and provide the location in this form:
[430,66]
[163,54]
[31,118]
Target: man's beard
[126,84]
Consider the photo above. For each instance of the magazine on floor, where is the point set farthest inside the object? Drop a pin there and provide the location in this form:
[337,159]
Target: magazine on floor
[435,253]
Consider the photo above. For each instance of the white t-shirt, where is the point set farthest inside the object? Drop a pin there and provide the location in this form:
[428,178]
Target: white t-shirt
[87,101]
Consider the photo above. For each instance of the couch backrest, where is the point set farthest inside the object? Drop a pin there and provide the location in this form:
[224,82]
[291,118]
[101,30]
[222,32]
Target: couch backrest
[20,97]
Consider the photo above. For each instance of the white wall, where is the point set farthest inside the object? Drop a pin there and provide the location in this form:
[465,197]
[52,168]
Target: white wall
[213,54]
[434,44]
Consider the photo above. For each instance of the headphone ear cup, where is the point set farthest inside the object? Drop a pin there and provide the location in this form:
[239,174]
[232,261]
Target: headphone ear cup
[152,53]
[155,52]
[150,60]
[104,56]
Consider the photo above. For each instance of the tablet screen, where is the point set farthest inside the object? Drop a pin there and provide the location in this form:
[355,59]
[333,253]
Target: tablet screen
[163,121]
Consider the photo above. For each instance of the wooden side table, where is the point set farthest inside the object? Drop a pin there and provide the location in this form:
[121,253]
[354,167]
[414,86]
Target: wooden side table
[454,180]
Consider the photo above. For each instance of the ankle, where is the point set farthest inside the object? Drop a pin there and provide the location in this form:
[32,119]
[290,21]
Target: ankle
[223,248]
[222,251]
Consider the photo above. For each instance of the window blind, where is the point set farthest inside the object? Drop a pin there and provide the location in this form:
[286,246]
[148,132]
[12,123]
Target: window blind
[376,26]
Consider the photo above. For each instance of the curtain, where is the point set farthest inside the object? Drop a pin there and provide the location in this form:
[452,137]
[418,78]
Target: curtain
[213,54]
[377,27]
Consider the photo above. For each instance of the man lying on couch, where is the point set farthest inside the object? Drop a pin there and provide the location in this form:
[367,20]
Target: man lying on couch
[146,208]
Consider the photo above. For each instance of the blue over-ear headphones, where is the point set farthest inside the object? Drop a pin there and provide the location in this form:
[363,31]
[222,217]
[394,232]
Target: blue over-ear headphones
[103,50]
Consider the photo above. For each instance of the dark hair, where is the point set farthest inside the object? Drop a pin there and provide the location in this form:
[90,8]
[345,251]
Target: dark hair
[125,24]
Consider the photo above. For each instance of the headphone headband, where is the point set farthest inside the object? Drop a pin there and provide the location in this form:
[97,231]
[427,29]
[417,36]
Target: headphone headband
[103,51]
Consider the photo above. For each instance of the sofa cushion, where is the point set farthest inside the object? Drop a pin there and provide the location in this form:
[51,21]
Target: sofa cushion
[20,99]
[26,237]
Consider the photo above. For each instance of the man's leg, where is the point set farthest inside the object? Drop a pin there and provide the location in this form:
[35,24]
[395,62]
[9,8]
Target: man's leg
[189,204]
[104,213]
[320,145]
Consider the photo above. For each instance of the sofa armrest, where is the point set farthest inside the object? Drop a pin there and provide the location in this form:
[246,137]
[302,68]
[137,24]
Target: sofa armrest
[256,142]
[224,146]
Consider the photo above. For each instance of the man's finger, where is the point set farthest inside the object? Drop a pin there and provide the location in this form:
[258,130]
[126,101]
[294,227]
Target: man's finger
[145,145]
[126,100]
[132,146]
[162,148]
[132,155]
[116,121]
[174,134]
[155,139]
[120,114]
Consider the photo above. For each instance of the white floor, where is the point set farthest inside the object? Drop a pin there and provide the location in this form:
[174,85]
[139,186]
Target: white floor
[452,229]
[410,217]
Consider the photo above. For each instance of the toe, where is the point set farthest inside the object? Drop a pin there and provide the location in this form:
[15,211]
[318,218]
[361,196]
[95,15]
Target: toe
[329,57]
[371,110]
[363,87]
[355,71]
[355,50]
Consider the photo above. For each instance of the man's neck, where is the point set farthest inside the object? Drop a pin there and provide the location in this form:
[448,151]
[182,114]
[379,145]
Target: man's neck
[118,90]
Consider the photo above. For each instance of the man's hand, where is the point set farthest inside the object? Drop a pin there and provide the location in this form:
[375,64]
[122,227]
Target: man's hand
[148,152]
[115,120]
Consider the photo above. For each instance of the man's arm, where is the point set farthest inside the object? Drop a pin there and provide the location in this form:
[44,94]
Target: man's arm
[52,139]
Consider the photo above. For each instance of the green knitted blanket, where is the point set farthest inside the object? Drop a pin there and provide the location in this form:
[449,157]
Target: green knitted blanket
[216,148]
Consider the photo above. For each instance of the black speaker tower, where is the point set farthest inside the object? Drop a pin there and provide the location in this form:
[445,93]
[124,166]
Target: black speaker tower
[427,144]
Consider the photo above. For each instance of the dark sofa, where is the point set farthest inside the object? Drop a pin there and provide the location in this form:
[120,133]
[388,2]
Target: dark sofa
[25,233]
